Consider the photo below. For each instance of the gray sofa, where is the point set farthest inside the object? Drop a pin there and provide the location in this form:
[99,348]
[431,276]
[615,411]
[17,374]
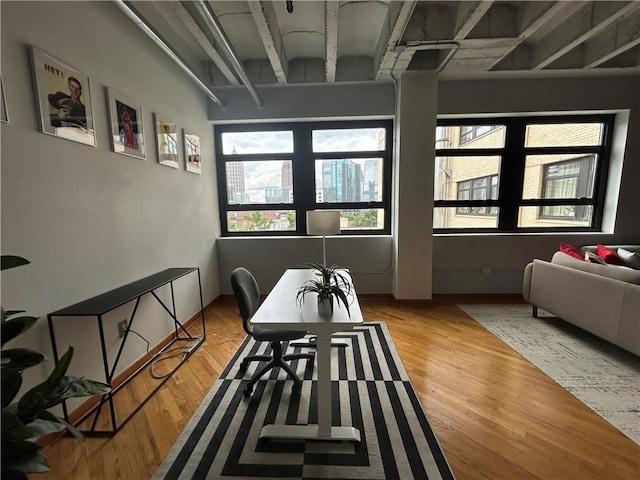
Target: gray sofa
[602,299]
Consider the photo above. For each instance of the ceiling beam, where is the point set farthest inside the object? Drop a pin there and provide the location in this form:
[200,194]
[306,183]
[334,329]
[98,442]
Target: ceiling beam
[397,20]
[332,17]
[468,15]
[620,37]
[589,21]
[264,16]
[186,18]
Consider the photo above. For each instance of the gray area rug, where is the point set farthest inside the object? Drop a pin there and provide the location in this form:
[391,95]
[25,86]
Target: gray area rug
[603,376]
[371,391]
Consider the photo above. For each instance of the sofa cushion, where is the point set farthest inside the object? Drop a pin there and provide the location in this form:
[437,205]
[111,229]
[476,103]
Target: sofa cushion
[608,255]
[630,259]
[624,274]
[571,251]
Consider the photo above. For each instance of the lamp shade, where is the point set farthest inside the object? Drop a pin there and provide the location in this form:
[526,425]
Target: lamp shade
[323,222]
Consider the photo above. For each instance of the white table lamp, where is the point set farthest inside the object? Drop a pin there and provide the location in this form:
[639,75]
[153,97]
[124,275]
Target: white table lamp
[323,222]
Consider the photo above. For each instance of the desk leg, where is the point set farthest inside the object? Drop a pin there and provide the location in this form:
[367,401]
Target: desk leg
[324,430]
[324,385]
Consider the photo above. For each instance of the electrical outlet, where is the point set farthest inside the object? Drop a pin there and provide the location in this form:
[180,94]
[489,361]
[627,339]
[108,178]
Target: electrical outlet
[122,327]
[486,270]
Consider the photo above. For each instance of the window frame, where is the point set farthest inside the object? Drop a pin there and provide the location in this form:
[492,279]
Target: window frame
[512,168]
[303,171]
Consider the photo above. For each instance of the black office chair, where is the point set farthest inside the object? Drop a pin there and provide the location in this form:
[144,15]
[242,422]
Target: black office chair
[247,293]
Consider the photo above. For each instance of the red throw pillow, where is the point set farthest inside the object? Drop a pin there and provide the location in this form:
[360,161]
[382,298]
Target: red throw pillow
[571,250]
[609,255]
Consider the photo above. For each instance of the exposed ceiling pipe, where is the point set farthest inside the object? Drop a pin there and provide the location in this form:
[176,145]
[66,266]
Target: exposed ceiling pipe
[227,49]
[133,16]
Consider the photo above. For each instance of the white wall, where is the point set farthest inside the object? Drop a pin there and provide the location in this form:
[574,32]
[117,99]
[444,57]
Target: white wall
[89,219]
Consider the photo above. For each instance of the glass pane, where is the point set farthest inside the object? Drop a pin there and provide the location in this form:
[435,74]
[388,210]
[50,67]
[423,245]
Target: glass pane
[559,176]
[259,182]
[364,219]
[349,140]
[563,135]
[465,217]
[454,174]
[555,216]
[257,142]
[261,221]
[470,136]
[349,180]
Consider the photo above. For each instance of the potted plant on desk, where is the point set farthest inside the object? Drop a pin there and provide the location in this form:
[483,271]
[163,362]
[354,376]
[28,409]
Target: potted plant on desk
[331,281]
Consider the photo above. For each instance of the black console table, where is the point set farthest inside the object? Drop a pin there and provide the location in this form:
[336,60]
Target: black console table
[102,304]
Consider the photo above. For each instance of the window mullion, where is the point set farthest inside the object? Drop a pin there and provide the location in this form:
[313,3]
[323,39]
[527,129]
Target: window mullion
[511,176]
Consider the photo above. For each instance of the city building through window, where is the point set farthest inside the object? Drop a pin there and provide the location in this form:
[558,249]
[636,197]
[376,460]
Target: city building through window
[269,175]
[519,174]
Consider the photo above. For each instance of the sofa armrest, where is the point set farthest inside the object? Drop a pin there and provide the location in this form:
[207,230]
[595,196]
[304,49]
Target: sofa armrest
[526,282]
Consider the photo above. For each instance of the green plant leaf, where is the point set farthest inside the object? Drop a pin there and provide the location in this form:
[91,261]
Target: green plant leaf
[71,387]
[41,397]
[13,429]
[20,358]
[11,383]
[13,474]
[45,414]
[11,261]
[23,456]
[41,427]
[8,313]
[58,373]
[14,327]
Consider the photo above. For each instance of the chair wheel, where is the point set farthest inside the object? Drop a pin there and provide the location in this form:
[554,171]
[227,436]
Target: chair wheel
[243,367]
[247,391]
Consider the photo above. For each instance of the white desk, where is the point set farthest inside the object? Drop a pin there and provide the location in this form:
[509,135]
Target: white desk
[280,310]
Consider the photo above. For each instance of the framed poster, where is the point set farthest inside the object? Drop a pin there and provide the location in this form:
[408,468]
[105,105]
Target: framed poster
[191,152]
[127,132]
[4,116]
[63,99]
[166,141]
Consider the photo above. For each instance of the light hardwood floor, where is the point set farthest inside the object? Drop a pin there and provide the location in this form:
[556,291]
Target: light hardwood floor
[496,415]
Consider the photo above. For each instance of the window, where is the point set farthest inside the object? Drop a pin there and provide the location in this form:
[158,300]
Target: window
[481,188]
[470,132]
[572,178]
[521,174]
[269,175]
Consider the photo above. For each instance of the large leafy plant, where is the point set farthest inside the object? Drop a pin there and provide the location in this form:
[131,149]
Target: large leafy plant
[28,418]
[330,281]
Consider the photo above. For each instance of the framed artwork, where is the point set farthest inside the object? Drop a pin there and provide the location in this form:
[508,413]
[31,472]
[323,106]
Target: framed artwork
[191,152]
[166,141]
[63,99]
[4,116]
[127,132]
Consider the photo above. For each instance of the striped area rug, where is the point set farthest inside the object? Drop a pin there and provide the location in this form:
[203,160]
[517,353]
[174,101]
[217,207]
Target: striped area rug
[372,393]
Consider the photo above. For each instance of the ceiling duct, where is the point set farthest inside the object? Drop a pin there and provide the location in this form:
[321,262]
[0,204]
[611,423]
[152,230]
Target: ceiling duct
[133,16]
[216,30]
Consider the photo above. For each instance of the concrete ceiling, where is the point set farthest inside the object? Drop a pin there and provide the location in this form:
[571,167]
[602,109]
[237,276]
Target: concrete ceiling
[376,40]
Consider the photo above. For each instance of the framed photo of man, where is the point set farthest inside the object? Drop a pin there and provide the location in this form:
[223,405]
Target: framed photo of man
[127,132]
[63,99]
[192,152]
[166,141]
